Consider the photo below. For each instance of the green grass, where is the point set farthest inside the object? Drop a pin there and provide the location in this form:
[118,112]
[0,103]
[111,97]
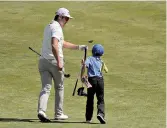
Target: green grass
[133,35]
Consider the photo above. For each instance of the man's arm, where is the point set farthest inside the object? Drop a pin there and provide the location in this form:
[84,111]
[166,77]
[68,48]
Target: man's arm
[55,52]
[73,46]
[70,45]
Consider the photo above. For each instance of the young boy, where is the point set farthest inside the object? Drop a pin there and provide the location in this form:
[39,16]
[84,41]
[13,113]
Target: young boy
[95,77]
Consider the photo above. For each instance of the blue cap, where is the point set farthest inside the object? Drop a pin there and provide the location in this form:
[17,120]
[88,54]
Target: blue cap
[97,50]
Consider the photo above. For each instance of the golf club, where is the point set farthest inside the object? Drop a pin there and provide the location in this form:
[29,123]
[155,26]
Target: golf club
[90,41]
[85,53]
[65,75]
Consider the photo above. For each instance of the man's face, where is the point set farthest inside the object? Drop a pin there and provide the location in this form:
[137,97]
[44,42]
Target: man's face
[65,19]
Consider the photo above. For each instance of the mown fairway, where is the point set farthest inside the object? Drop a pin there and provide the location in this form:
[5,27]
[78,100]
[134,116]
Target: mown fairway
[133,35]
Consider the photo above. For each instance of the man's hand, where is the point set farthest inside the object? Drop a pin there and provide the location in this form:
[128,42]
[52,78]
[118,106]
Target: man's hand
[82,47]
[60,66]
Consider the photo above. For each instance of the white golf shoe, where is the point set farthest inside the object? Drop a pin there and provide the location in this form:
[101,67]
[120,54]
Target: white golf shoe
[61,117]
[42,116]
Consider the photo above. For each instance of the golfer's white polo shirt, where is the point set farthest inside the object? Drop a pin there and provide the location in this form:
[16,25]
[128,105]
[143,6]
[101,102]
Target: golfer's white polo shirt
[52,30]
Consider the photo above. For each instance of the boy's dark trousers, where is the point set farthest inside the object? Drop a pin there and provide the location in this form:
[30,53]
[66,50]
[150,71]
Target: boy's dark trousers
[98,88]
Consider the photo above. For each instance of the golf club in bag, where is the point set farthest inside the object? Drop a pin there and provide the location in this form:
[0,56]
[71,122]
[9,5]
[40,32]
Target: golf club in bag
[84,81]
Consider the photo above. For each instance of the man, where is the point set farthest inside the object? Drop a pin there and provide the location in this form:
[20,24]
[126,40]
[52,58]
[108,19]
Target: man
[51,65]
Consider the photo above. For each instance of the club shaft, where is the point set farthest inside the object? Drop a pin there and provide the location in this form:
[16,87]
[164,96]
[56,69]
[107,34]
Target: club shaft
[75,87]
[66,75]
[79,75]
[35,51]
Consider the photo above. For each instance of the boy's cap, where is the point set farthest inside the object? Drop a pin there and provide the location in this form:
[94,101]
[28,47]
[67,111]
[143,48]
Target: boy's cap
[63,12]
[97,50]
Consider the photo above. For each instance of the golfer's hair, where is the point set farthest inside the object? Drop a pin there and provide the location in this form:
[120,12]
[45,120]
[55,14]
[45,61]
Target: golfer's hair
[56,17]
[97,54]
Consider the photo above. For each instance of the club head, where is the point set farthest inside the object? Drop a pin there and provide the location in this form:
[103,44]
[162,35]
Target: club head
[66,75]
[81,92]
[90,41]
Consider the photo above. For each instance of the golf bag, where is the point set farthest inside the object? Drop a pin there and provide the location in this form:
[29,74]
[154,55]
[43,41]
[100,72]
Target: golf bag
[81,92]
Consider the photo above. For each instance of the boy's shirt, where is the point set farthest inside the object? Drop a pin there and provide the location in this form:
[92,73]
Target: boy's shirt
[94,65]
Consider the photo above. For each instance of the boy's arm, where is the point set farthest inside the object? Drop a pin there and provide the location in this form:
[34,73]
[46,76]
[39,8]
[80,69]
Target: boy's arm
[84,78]
[104,67]
[83,68]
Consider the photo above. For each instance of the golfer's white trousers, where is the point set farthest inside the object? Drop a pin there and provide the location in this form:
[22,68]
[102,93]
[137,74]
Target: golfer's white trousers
[48,71]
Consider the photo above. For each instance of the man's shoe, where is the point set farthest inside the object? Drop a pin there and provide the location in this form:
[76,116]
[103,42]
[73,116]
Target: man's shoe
[61,117]
[101,119]
[42,117]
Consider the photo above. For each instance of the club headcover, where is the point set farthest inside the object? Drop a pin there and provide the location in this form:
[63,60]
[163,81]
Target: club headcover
[81,92]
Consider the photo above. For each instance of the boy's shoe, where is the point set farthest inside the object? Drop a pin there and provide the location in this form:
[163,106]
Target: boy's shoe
[101,119]
[61,117]
[42,117]
[88,121]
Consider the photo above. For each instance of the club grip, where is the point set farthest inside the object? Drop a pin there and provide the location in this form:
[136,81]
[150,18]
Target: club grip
[75,88]
[30,48]
[34,51]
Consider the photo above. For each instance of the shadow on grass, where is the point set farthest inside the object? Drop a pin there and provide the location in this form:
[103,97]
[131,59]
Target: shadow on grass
[81,122]
[38,121]
[17,120]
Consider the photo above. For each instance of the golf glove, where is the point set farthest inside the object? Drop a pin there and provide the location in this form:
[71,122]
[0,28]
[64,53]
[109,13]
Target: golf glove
[82,47]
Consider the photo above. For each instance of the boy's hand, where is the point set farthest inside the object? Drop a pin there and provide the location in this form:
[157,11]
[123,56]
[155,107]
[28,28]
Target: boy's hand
[83,78]
[82,61]
[86,82]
